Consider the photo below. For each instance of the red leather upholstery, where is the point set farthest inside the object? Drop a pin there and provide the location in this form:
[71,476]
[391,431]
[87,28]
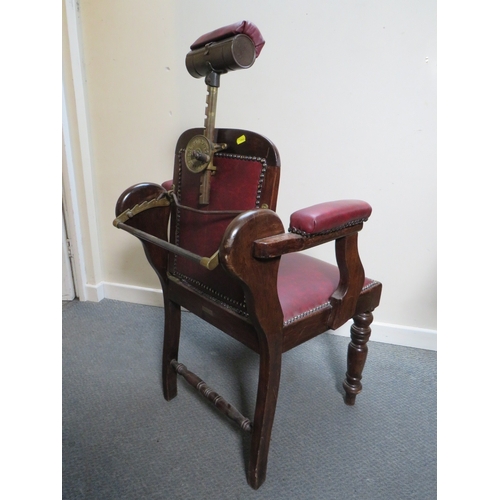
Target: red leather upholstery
[168,185]
[236,185]
[242,27]
[329,217]
[305,285]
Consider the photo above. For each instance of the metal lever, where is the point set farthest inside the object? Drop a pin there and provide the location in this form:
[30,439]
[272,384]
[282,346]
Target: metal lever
[209,263]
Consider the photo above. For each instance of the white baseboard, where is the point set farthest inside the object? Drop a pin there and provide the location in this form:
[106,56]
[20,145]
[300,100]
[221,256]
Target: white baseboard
[134,294]
[407,336]
[94,293]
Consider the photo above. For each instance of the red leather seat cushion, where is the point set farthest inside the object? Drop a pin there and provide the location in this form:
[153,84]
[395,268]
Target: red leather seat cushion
[305,285]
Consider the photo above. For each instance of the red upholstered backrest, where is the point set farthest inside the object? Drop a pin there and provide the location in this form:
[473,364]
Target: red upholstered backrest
[247,177]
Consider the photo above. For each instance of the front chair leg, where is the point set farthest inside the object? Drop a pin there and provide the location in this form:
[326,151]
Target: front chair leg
[356,355]
[267,396]
[170,347]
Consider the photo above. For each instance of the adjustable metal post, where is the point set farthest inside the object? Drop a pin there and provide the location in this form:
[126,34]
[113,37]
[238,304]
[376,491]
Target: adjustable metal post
[209,133]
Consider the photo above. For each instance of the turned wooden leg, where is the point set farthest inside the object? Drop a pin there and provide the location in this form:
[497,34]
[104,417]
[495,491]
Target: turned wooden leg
[267,396]
[170,348]
[356,355]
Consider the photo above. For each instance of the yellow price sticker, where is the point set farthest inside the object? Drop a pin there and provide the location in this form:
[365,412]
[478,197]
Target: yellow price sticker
[241,139]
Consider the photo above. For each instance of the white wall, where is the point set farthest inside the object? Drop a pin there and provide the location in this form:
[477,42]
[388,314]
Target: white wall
[346,89]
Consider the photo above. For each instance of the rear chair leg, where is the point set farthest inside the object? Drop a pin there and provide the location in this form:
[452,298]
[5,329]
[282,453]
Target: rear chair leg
[170,348]
[356,355]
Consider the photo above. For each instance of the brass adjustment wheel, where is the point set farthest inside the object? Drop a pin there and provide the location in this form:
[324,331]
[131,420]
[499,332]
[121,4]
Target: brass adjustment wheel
[199,151]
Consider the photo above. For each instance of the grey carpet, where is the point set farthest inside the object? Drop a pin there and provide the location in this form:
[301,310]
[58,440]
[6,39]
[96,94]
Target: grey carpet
[122,440]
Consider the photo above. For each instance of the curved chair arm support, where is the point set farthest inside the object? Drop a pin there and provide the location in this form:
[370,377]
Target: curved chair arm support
[259,279]
[149,213]
[255,275]
[156,234]
[352,278]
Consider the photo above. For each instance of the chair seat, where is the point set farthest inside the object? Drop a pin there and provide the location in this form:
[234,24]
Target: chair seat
[305,285]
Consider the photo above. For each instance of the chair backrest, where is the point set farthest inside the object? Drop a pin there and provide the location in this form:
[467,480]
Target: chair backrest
[247,177]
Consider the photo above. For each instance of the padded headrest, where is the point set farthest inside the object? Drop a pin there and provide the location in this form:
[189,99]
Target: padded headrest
[242,27]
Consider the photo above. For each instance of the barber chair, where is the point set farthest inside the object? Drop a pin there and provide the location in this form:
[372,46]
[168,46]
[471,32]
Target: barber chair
[228,258]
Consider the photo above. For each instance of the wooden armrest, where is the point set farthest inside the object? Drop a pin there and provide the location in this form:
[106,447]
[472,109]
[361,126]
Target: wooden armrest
[274,246]
[314,226]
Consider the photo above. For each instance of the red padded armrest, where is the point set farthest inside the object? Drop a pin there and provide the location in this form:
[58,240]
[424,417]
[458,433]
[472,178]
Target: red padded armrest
[242,27]
[329,217]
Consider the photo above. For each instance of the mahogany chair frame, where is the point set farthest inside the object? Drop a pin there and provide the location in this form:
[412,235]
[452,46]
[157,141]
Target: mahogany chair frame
[250,253]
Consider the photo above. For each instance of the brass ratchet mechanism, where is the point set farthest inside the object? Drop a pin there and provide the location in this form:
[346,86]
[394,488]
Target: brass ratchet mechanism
[200,150]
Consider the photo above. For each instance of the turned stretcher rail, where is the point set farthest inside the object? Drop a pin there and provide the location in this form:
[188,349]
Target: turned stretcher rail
[219,402]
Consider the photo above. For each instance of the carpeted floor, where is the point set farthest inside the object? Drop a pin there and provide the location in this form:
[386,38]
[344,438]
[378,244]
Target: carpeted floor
[122,440]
